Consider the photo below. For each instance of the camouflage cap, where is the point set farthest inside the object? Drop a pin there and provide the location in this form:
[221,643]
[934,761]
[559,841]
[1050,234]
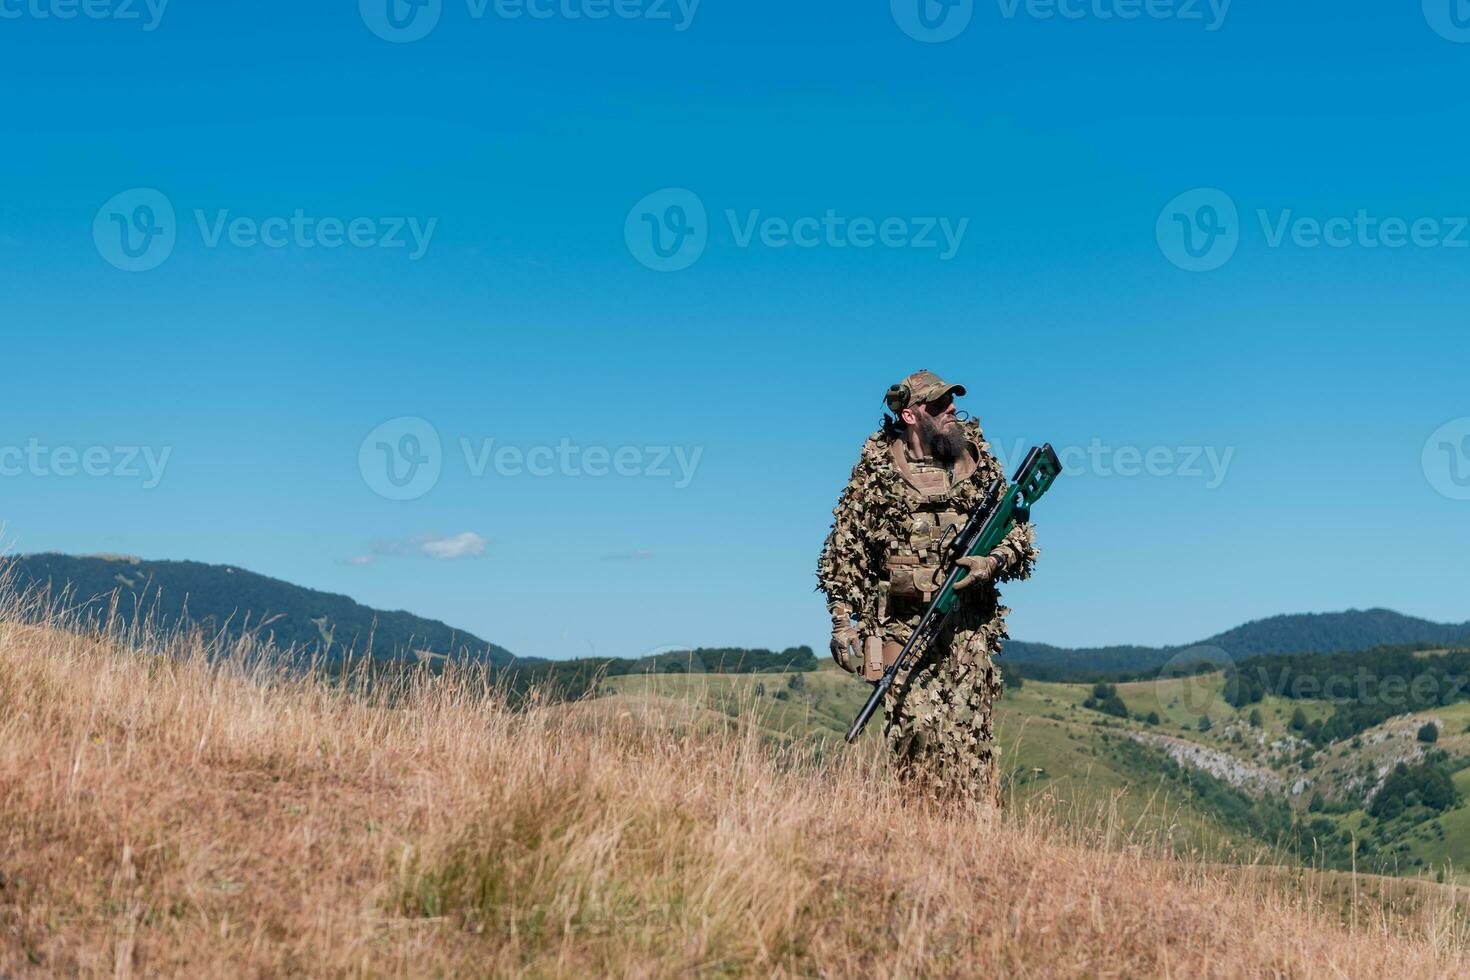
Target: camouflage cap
[917,389]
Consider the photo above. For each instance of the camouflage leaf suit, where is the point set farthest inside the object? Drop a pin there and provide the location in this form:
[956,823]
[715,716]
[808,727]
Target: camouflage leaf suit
[881,560]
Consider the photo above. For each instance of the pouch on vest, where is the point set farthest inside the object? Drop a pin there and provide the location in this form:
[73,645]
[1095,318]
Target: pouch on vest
[912,584]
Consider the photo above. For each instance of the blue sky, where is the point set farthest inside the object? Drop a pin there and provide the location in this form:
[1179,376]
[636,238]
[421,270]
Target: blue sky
[1301,404]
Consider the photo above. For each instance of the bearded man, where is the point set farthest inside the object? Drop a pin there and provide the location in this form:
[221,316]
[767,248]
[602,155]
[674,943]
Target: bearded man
[917,481]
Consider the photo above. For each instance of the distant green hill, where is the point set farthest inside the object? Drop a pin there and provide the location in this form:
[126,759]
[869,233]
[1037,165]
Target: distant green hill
[1041,659]
[575,679]
[1299,633]
[1347,784]
[229,600]
[1335,633]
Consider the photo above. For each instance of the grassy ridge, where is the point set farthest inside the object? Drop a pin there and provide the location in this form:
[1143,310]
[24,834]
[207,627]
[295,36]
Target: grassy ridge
[1253,805]
[167,813]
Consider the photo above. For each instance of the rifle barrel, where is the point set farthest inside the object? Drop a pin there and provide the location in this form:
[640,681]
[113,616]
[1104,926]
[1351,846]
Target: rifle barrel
[874,699]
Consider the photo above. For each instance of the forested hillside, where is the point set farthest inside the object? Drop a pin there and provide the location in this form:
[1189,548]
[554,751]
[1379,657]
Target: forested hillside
[229,600]
[1297,633]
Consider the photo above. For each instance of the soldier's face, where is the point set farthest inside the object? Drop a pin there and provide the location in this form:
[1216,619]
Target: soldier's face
[939,428]
[938,414]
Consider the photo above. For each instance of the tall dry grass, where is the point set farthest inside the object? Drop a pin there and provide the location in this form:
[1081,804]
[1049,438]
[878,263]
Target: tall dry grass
[164,813]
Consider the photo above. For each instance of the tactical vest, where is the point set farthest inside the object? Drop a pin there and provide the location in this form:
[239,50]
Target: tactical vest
[912,571]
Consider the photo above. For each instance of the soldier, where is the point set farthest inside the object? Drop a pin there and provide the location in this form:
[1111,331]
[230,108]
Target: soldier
[917,480]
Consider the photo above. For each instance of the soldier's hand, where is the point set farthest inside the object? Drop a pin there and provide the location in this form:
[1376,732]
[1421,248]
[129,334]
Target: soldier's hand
[982,569]
[846,647]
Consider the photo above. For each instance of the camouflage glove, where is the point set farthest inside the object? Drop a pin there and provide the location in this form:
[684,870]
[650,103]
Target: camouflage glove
[981,570]
[846,647]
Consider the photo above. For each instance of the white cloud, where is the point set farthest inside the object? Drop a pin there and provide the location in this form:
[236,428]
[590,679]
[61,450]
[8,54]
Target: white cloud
[440,547]
[466,544]
[361,559]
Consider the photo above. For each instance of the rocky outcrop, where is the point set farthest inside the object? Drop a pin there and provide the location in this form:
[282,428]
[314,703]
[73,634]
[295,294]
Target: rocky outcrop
[1245,776]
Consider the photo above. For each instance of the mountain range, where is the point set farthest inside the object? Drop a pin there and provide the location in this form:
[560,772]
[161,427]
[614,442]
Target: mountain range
[230,600]
[1355,629]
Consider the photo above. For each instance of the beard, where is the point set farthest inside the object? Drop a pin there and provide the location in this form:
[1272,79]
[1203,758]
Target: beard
[946,443]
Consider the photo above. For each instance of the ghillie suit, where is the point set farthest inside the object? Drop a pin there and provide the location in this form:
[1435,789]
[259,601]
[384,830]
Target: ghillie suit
[881,564]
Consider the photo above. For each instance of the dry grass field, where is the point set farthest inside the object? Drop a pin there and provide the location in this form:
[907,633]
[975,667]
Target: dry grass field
[163,815]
